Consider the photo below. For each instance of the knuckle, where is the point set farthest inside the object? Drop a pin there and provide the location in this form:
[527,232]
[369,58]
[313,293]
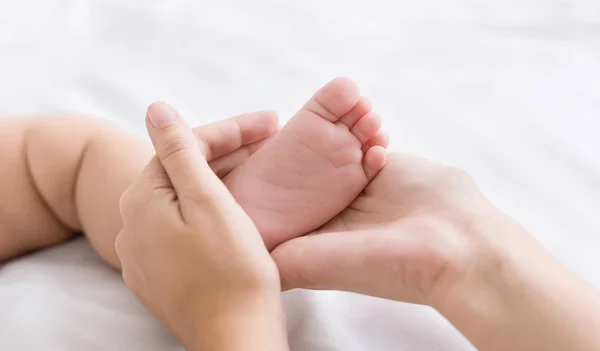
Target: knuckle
[159,180]
[173,147]
[129,203]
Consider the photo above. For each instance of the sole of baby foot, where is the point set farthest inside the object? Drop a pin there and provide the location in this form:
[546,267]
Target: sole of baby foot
[314,167]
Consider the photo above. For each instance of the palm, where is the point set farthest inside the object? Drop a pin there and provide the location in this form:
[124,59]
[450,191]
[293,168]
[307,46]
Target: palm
[407,187]
[379,204]
[404,223]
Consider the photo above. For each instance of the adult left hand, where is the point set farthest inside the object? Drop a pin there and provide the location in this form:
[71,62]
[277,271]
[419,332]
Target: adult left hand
[189,252]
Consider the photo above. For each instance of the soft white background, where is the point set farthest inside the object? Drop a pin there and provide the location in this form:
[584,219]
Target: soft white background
[508,90]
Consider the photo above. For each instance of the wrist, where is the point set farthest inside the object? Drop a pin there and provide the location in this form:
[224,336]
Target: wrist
[254,321]
[488,265]
[514,295]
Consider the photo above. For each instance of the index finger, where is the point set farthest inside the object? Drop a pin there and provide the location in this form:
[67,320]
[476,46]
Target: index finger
[226,136]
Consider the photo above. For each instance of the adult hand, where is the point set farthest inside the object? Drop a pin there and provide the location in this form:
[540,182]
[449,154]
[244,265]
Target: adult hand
[229,142]
[403,237]
[190,253]
[424,233]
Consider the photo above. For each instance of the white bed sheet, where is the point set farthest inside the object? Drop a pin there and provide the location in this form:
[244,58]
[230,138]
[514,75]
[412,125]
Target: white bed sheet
[507,89]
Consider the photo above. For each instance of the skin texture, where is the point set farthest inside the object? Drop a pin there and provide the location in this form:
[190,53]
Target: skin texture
[54,177]
[314,167]
[321,160]
[424,233]
[55,189]
[404,227]
[191,254]
[419,232]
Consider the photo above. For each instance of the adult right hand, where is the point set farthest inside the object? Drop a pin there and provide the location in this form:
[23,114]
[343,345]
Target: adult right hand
[191,254]
[424,233]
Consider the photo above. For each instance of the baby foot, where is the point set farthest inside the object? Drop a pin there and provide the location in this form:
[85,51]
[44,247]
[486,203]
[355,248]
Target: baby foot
[317,164]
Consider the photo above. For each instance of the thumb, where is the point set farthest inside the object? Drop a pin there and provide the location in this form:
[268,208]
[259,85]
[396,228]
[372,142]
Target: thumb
[179,151]
[371,262]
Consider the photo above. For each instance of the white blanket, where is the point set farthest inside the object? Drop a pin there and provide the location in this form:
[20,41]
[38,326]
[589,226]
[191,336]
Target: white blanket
[508,90]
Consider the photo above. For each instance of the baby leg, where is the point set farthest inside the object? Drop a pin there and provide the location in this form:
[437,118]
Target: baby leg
[65,174]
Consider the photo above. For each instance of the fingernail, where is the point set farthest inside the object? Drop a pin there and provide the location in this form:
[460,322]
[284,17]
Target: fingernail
[161,114]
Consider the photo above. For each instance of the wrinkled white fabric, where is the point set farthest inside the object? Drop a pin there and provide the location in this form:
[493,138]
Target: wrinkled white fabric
[508,90]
